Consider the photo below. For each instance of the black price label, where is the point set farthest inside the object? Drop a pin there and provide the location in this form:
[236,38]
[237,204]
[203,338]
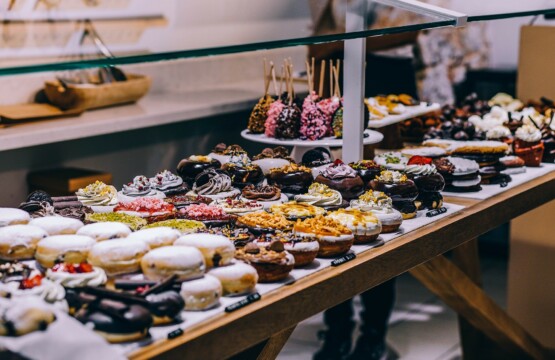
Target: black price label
[436,212]
[175,333]
[504,184]
[241,304]
[343,259]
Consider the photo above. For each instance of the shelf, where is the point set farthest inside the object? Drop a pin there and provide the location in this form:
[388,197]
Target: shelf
[373,137]
[411,111]
[152,110]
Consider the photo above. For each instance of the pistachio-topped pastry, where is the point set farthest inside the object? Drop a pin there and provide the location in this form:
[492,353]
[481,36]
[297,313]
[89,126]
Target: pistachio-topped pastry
[134,222]
[183,225]
[98,194]
[320,195]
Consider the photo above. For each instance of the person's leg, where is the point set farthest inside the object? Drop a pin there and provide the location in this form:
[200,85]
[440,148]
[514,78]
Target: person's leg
[337,336]
[377,306]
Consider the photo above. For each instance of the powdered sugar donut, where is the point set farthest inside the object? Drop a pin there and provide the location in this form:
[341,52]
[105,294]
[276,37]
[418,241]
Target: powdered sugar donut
[186,262]
[12,216]
[201,294]
[101,231]
[157,236]
[120,256]
[63,248]
[237,279]
[57,225]
[217,250]
[19,242]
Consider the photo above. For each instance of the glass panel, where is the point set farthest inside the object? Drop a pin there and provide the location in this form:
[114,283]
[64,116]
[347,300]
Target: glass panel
[47,37]
[501,9]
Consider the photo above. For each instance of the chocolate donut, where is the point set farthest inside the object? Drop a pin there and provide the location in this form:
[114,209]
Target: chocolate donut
[242,171]
[398,192]
[342,178]
[189,168]
[261,193]
[367,169]
[292,179]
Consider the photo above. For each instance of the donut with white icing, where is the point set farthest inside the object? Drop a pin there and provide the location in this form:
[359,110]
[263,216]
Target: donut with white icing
[12,216]
[157,236]
[217,250]
[108,230]
[237,279]
[22,316]
[201,294]
[186,262]
[57,225]
[120,256]
[63,248]
[19,242]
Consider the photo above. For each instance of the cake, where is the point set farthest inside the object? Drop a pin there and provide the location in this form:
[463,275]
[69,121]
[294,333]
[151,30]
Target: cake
[343,178]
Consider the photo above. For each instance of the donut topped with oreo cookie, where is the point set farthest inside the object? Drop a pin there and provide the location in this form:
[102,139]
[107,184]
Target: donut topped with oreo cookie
[192,166]
[242,171]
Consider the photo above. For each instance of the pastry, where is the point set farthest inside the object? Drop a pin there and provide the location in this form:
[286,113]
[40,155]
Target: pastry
[317,160]
[99,196]
[243,171]
[210,215]
[337,122]
[265,195]
[201,294]
[274,111]
[427,151]
[238,207]
[303,249]
[214,184]
[11,216]
[237,279]
[216,249]
[513,165]
[139,188]
[321,195]
[120,256]
[134,222]
[21,316]
[364,225]
[313,120]
[259,114]
[528,145]
[19,242]
[272,262]
[428,181]
[381,206]
[156,237]
[57,225]
[222,152]
[33,284]
[400,189]
[333,237]
[392,160]
[329,107]
[63,248]
[76,275]
[500,133]
[291,179]
[343,178]
[192,166]
[367,170]
[288,122]
[263,222]
[183,225]
[293,210]
[272,158]
[186,262]
[168,183]
[150,209]
[101,231]
[461,175]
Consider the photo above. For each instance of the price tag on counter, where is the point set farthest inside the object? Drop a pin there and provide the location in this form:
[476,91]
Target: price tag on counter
[241,304]
[343,259]
[436,212]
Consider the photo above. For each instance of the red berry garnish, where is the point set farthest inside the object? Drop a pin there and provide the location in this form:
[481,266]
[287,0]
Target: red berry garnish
[337,162]
[30,283]
[84,268]
[419,160]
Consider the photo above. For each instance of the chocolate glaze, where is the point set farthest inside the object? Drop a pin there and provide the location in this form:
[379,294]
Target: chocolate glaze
[349,187]
[429,183]
[368,175]
[189,169]
[243,176]
[430,200]
[288,122]
[167,303]
[115,317]
[404,207]
[292,183]
[398,192]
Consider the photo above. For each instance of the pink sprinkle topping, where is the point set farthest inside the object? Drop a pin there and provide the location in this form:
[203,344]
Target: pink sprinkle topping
[203,211]
[146,204]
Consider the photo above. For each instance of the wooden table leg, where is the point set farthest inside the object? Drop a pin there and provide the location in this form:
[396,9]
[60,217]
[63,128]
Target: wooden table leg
[460,293]
[268,349]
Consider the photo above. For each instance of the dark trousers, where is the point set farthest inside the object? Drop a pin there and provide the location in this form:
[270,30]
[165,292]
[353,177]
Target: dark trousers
[377,305]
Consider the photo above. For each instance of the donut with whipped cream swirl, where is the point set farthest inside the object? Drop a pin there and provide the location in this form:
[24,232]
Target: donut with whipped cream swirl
[192,166]
[214,184]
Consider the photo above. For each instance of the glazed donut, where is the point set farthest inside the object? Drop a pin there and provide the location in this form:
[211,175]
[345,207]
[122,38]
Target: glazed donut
[19,242]
[201,294]
[156,236]
[57,225]
[101,231]
[237,279]
[24,315]
[12,216]
[186,262]
[217,250]
[120,256]
[63,248]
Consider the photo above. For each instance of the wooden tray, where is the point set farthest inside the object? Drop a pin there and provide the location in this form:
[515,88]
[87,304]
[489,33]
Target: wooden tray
[13,114]
[90,96]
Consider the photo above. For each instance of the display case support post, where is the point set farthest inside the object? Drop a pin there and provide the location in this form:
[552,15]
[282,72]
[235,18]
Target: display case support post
[353,83]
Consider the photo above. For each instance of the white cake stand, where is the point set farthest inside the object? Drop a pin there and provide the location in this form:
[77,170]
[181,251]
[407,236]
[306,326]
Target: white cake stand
[302,146]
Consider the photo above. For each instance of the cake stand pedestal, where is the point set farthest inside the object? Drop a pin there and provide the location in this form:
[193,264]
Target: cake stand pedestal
[302,146]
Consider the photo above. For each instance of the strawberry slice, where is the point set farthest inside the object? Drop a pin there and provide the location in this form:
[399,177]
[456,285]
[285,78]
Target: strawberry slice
[419,160]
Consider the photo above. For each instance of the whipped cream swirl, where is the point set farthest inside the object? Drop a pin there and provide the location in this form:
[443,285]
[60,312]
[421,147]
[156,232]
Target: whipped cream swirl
[339,171]
[217,183]
[528,133]
[165,180]
[97,194]
[498,132]
[421,170]
[139,187]
[49,291]
[320,195]
[96,277]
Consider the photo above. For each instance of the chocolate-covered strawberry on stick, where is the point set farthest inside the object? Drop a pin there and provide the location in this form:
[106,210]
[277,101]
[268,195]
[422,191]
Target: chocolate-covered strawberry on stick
[288,121]
[313,120]
[275,108]
[328,106]
[259,113]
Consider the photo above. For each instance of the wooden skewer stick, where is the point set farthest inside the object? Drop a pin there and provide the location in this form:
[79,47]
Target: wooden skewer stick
[266,82]
[273,70]
[322,74]
[308,76]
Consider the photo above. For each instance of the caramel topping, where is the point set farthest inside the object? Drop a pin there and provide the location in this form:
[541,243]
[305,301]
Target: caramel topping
[264,220]
[291,168]
[296,209]
[321,225]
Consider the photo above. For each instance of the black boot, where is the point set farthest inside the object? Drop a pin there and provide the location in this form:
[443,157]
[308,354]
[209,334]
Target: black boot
[336,345]
[366,349]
